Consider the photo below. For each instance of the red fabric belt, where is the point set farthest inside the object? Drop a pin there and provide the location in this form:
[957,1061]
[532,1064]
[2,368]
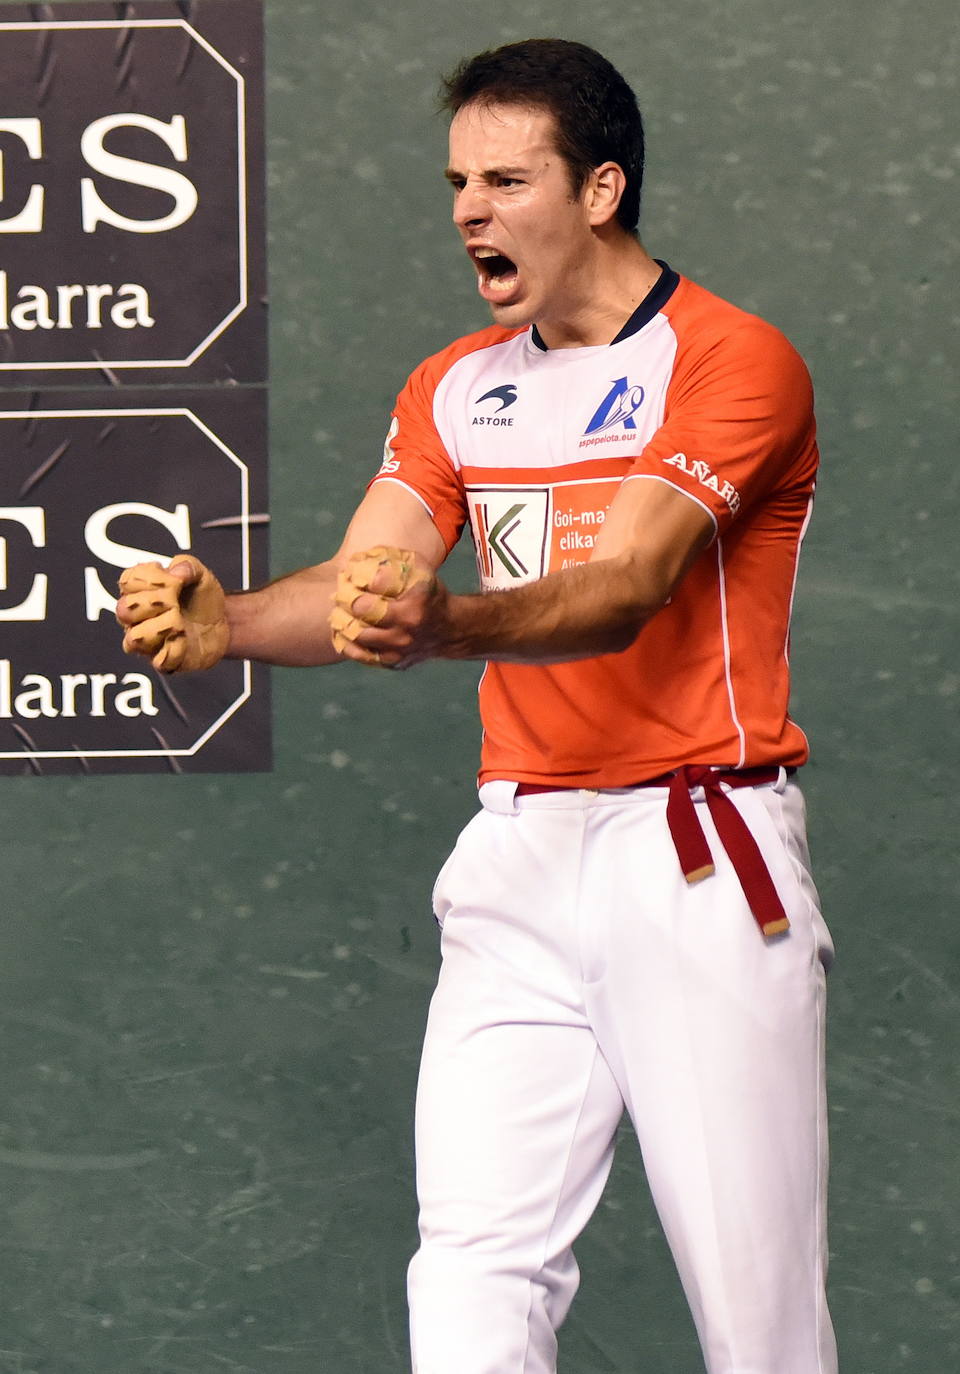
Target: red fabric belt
[690,842]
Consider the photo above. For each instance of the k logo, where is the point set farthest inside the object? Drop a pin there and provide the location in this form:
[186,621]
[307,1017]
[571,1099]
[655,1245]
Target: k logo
[510,532]
[498,540]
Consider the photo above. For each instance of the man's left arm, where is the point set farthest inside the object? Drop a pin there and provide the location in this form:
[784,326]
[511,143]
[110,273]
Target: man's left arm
[652,535]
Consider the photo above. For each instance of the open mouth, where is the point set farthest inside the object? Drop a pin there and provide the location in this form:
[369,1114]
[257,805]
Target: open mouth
[496,273]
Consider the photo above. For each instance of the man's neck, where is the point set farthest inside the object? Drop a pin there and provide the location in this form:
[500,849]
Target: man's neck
[623,275]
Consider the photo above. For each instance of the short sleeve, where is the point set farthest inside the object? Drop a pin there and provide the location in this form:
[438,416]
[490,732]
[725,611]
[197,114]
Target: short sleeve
[738,421]
[415,457]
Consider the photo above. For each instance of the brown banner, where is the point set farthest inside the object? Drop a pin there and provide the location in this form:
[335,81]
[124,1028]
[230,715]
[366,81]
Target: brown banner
[132,369]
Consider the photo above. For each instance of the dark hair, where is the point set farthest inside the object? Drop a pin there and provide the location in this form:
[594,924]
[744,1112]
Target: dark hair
[594,110]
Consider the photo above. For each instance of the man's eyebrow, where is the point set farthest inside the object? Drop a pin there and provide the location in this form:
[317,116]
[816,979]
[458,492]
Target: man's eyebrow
[452,174]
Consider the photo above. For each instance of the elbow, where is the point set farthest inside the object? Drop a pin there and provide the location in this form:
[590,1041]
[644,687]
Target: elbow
[644,592]
[622,630]
[621,636]
[625,635]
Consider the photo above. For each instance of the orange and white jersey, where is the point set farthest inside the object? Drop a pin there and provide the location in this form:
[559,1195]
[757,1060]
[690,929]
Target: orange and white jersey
[528,446]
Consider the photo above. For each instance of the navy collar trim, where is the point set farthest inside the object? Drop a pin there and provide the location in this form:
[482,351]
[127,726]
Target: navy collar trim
[652,303]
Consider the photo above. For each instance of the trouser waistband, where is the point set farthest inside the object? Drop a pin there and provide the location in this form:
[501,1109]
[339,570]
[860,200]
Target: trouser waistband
[693,850]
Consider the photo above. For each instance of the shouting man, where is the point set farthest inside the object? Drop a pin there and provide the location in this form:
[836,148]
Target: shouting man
[629,921]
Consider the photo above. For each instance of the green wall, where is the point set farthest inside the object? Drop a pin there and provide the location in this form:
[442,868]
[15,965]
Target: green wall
[212,988]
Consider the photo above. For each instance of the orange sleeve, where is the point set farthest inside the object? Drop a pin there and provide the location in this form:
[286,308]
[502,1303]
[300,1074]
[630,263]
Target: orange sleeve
[738,420]
[415,457]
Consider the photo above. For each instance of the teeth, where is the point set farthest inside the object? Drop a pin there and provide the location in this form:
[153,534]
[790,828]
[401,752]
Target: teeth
[486,253]
[495,284]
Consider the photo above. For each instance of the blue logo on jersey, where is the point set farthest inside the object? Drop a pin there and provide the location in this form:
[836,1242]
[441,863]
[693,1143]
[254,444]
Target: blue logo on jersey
[618,407]
[506,395]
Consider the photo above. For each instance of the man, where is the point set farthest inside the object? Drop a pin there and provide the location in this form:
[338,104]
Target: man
[629,920]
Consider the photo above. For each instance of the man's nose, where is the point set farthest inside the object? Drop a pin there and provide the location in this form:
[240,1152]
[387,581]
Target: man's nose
[471,207]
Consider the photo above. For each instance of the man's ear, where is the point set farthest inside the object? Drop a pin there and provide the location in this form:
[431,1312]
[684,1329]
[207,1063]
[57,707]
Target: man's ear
[604,190]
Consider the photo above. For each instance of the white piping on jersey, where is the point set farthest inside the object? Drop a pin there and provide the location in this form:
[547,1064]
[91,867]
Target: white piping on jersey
[398,483]
[483,728]
[655,477]
[793,592]
[722,581]
[793,584]
[579,481]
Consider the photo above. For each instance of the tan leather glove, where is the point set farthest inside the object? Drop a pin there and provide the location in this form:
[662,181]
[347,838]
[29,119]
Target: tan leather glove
[179,622]
[383,573]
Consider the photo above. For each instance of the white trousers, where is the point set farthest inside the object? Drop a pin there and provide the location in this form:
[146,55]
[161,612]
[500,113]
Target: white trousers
[581,975]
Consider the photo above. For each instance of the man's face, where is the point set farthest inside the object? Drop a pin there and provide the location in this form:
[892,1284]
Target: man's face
[528,235]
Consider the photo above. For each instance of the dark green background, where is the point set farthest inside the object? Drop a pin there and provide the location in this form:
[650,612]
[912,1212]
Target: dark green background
[212,988]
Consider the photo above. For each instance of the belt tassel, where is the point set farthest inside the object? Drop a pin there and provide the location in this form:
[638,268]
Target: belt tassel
[693,850]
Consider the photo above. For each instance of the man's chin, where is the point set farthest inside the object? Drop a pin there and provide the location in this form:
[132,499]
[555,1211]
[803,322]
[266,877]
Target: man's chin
[511,314]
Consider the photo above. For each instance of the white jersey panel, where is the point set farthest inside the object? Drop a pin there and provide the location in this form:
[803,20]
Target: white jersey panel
[515,406]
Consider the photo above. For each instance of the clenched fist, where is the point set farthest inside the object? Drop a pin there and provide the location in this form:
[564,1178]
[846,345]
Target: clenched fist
[385,608]
[174,616]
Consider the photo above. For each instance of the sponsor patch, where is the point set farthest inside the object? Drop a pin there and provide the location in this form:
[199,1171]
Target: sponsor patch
[523,533]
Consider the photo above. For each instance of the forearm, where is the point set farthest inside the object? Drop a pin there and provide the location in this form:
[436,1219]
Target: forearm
[287,622]
[651,537]
[597,608]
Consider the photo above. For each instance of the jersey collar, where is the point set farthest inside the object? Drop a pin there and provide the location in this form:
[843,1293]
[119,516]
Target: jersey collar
[652,303]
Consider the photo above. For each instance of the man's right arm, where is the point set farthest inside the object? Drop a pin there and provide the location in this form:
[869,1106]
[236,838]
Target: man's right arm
[287,621]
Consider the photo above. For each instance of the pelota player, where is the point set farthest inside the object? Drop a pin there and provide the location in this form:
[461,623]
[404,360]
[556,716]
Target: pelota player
[629,921]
